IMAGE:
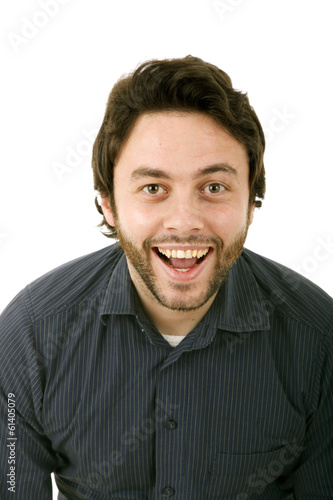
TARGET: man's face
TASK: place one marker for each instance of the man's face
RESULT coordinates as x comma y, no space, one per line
181,192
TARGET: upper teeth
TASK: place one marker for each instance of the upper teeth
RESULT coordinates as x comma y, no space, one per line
183,254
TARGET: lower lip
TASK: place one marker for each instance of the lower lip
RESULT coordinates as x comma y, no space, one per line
184,276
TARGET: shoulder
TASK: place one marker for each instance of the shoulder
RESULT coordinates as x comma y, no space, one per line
291,293
71,283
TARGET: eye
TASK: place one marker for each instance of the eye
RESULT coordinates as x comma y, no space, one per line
214,188
153,189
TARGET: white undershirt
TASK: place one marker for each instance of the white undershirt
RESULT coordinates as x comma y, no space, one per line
174,340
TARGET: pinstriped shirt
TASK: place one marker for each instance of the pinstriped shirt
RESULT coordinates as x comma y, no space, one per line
241,409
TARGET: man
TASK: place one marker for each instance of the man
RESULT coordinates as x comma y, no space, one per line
174,363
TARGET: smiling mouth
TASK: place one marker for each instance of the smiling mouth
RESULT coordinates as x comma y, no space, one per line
182,260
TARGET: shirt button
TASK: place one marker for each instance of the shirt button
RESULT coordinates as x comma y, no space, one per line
168,492
171,424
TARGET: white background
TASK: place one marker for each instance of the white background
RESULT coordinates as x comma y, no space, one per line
58,69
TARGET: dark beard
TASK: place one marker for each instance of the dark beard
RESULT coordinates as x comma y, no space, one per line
142,265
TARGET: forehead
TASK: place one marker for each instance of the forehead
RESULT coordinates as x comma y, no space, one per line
175,140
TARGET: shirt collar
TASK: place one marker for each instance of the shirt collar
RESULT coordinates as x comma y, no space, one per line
119,297
239,305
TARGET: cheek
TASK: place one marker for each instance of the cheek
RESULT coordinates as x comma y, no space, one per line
139,221
228,222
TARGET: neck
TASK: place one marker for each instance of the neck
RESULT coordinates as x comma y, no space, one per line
168,321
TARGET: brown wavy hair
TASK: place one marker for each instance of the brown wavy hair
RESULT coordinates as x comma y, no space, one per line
186,84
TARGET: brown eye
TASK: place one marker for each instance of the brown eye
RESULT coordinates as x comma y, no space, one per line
153,189
214,188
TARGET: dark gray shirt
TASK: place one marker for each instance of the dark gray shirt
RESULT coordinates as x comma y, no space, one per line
242,408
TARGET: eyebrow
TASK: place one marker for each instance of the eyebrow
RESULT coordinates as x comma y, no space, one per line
142,172
220,167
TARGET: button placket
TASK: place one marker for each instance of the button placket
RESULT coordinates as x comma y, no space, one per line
169,443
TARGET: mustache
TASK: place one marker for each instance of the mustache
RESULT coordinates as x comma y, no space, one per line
188,240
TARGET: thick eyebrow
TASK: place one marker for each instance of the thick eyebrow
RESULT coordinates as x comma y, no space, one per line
220,167
142,172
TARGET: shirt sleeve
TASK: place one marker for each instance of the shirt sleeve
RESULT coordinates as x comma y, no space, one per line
314,477
26,456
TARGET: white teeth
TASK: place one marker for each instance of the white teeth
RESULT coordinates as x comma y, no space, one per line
201,253
182,270
183,254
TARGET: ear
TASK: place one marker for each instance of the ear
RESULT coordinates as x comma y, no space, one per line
251,213
108,213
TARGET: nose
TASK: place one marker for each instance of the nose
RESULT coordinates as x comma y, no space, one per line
183,214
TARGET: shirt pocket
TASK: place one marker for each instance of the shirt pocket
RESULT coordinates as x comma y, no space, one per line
241,477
